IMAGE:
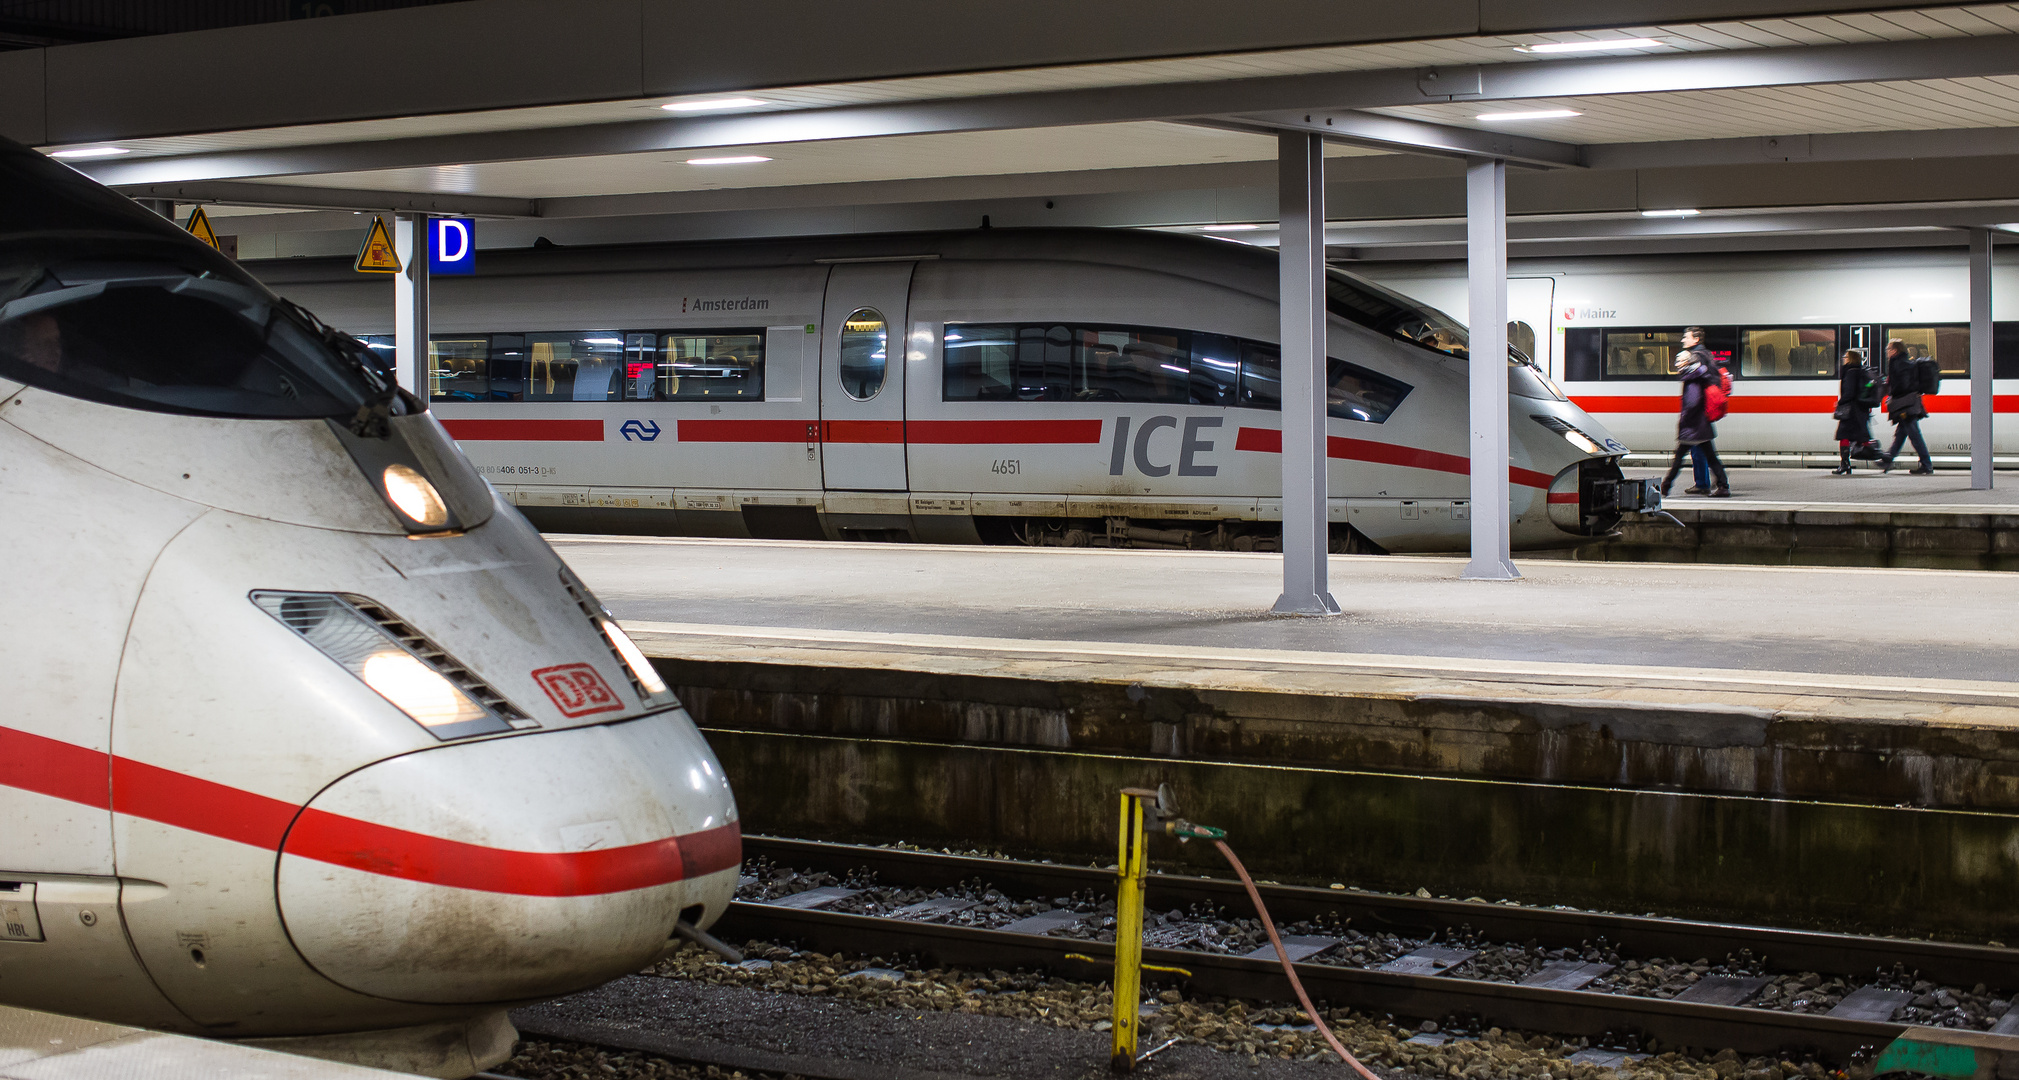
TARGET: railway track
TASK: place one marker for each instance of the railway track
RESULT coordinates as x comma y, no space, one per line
1712,1017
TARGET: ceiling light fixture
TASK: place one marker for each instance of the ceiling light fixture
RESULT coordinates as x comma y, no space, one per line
1670,213
734,159
1592,46
713,104
1533,114
1228,228
92,152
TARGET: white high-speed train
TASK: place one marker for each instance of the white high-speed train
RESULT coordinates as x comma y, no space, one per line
308,737
1041,386
1606,328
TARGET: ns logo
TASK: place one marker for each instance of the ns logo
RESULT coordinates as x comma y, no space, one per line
1152,456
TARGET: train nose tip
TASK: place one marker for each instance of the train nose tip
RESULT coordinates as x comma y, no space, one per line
511,868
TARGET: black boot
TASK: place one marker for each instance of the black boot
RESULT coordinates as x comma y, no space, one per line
1843,462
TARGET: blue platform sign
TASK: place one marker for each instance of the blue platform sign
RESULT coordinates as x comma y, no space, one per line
452,246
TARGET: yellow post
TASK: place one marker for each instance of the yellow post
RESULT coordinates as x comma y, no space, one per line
1129,933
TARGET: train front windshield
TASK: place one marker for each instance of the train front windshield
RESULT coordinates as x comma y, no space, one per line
1391,313
103,300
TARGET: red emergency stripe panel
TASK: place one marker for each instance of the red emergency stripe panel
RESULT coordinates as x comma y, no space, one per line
58,769
865,431
525,430
79,774
1011,432
1270,441
798,431
390,852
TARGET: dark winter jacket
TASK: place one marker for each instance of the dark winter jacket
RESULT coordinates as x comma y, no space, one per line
1699,374
1903,378
1854,418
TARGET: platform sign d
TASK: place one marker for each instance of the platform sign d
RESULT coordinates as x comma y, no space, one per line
452,246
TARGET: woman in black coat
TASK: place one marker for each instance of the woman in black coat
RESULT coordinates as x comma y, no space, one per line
1854,409
1693,425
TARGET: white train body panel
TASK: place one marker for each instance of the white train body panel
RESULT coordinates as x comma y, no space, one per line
214,824
917,458
1773,414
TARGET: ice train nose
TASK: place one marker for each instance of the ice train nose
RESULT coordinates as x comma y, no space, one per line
512,868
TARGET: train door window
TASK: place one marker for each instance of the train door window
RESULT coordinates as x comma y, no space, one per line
583,366
1521,338
1641,354
696,365
459,368
508,367
865,353
979,363
1216,370
1948,345
1131,364
1804,352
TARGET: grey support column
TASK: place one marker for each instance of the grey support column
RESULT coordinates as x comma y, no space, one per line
410,303
1486,267
1300,170
1980,360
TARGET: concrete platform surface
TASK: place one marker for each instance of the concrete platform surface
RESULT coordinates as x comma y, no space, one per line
1948,490
46,1046
1776,625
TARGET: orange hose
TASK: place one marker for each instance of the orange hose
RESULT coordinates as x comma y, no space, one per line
1289,969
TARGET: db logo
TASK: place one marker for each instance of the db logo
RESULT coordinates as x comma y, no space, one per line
577,690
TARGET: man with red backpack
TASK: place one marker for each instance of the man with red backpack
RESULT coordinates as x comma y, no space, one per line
1695,433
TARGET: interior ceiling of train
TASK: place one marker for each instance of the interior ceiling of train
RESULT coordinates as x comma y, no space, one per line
1804,124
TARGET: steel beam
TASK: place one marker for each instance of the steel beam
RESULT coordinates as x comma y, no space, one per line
411,304
1945,58
1410,136
1486,271
299,197
1980,360
1301,302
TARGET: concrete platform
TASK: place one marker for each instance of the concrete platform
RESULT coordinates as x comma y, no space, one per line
45,1046
1629,737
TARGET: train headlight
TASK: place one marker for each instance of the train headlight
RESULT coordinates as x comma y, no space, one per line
392,658
415,497
634,657
1578,439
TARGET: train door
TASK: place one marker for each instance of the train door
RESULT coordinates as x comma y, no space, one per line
862,376
1530,326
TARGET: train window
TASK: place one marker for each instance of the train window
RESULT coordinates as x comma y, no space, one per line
1948,345
1216,370
508,367
1131,364
1521,338
1391,313
1806,352
865,353
459,368
1351,392
693,365
1641,354
383,349
587,365
980,363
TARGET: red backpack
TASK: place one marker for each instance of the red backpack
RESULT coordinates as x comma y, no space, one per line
1717,396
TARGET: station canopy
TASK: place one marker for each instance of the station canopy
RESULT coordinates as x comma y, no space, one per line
1738,123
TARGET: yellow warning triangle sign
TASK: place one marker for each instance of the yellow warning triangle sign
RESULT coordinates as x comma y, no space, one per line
199,227
377,255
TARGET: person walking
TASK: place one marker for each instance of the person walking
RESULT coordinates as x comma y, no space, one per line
1904,405
1857,392
1694,430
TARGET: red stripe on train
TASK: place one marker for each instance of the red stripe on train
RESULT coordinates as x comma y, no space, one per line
81,775
1563,496
525,430
919,432
1270,441
1011,432
1774,403
798,431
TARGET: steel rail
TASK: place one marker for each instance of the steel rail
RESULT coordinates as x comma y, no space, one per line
1643,937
